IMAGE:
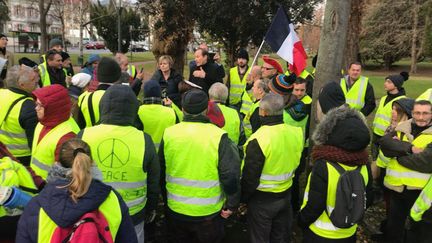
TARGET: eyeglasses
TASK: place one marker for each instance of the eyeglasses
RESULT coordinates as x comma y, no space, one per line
417,113
267,68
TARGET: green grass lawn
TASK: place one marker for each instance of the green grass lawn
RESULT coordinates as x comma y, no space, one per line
136,57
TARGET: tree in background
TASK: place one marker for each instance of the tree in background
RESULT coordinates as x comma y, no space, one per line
173,25
236,24
392,30
58,12
428,31
421,14
4,13
44,7
352,48
105,21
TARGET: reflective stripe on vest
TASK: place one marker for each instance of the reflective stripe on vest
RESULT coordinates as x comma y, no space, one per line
237,86
14,174
398,175
427,95
383,115
423,202
118,152
382,160
355,96
192,181
282,146
12,135
247,124
88,102
131,71
110,209
43,153
232,122
155,119
246,103
323,226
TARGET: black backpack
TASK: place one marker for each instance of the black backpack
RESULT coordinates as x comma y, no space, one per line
350,198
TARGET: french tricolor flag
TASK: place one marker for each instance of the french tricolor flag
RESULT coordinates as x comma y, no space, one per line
284,41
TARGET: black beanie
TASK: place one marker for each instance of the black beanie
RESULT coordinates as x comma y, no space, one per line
108,70
64,55
331,96
398,79
152,89
350,134
2,35
243,54
407,105
195,101
27,62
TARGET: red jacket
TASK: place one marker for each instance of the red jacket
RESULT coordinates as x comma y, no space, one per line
57,108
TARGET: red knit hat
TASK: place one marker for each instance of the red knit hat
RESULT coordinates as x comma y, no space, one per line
273,63
56,102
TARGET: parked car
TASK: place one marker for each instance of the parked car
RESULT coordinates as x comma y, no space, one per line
95,45
138,48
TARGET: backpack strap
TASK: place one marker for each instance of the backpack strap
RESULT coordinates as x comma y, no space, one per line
91,110
340,169
10,108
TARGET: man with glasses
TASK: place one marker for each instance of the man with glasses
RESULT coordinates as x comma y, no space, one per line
17,113
411,143
6,58
270,68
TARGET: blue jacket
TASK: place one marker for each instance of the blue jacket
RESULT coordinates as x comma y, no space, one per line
59,206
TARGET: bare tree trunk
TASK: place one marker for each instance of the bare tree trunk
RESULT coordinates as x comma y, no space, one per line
43,12
331,48
353,36
63,33
415,13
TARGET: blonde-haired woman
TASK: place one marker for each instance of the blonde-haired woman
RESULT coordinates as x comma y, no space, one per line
70,193
168,79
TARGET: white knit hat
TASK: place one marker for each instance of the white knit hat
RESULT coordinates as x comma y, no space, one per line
81,79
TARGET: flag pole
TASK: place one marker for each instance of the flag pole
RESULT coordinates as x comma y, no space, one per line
256,55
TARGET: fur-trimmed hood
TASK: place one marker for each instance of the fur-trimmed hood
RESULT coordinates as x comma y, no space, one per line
344,128
405,127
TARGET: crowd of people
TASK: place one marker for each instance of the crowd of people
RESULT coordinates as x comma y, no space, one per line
82,156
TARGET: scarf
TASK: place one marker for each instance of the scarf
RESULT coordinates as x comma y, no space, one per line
335,154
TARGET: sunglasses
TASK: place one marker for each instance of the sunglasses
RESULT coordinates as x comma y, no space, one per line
267,68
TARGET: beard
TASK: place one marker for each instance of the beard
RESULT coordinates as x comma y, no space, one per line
242,65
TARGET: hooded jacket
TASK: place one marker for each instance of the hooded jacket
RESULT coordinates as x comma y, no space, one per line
59,206
119,106
341,137
57,106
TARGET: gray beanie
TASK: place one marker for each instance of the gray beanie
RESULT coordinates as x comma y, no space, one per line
55,42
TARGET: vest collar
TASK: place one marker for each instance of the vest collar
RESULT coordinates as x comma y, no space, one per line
198,118
271,120
19,91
